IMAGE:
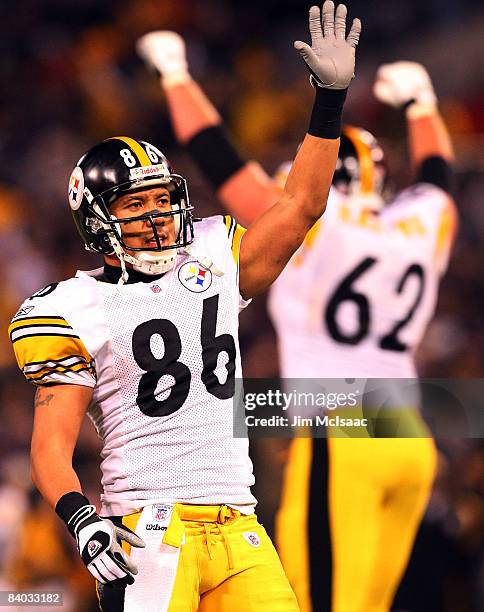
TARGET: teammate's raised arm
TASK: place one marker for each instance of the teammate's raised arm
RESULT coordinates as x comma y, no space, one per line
244,187
190,109
270,242
407,85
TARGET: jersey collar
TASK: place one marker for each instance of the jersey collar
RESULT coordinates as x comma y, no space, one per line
112,274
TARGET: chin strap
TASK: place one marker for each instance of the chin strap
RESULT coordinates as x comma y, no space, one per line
145,266
124,272
150,263
153,263
121,255
125,257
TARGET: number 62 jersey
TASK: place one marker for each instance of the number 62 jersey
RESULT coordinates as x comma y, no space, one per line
356,298
162,358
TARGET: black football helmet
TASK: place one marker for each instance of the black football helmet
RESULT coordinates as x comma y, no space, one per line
107,171
360,168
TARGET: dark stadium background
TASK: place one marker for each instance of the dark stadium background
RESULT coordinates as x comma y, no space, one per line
70,78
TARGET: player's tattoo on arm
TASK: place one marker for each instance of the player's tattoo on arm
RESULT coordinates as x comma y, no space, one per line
42,398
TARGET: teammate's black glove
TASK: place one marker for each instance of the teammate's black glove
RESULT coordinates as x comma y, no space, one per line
98,540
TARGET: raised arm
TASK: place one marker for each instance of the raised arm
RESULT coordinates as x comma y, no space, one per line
244,187
272,239
407,85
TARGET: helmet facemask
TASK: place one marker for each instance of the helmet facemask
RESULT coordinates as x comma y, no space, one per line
158,258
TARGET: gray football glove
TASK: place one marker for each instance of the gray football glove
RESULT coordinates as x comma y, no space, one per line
97,542
331,56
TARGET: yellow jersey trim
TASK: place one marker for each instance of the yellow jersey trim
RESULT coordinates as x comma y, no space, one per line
238,233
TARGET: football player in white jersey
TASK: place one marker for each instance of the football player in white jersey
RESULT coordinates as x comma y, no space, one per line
147,346
353,302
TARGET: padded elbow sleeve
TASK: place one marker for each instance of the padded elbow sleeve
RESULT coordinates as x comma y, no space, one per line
215,155
436,171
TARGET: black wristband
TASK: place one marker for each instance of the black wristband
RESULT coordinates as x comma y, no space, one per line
68,505
408,103
325,119
215,155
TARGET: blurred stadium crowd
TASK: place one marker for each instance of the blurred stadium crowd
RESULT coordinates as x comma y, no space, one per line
71,78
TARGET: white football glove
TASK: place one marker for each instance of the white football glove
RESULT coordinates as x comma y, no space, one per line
165,51
401,82
331,56
97,542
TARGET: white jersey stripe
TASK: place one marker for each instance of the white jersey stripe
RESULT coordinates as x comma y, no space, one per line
26,332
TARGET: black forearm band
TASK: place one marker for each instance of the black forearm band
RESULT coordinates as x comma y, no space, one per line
215,155
407,104
436,171
325,119
69,504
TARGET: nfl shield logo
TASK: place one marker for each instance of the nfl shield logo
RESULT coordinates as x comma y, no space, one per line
252,538
161,512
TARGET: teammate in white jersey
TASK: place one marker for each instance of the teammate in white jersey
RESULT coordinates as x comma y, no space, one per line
147,346
353,302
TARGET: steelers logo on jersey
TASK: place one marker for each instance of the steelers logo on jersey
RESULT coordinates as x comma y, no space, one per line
195,277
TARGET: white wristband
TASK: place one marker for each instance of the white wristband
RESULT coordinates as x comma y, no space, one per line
175,78
418,110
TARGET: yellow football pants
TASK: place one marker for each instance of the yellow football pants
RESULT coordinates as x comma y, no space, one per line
349,514
226,564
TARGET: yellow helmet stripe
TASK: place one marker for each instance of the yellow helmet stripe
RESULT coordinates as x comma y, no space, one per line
137,149
367,167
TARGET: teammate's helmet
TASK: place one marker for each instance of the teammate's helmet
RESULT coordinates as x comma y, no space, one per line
360,168
107,171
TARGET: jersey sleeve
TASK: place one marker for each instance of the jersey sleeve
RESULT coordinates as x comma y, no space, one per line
235,231
47,348
429,209
446,233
